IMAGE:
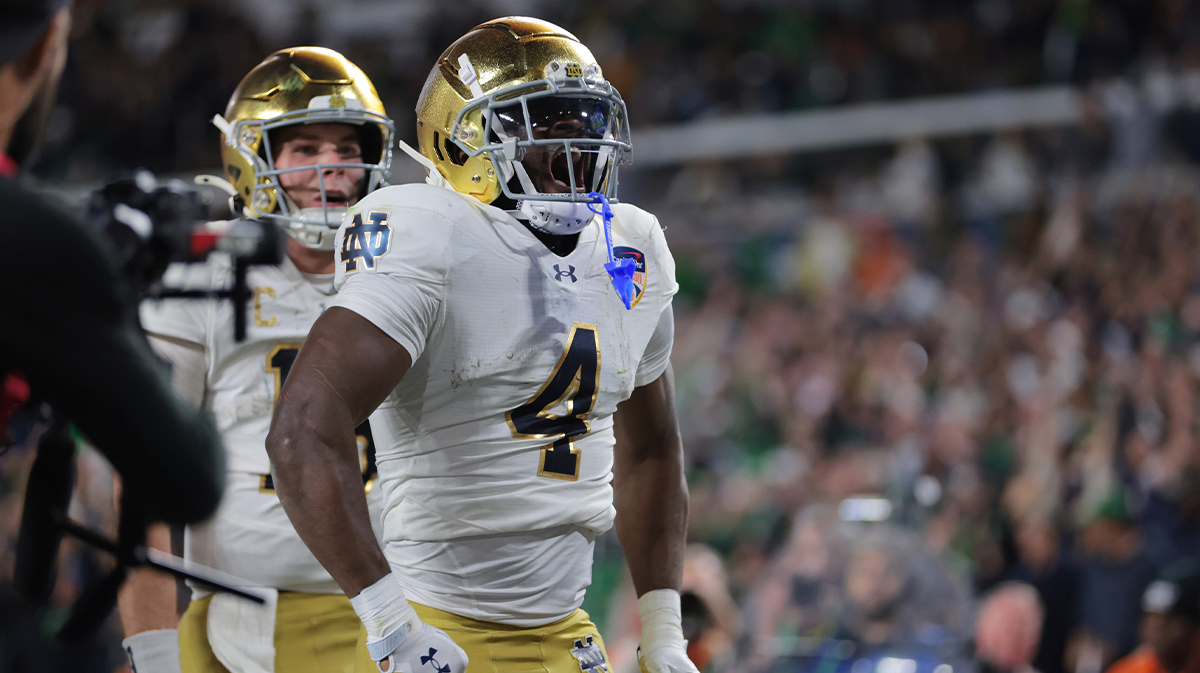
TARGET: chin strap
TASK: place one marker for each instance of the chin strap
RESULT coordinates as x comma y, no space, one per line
620,270
223,185
433,176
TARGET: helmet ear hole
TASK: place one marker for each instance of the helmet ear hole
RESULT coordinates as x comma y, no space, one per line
437,146
370,143
455,153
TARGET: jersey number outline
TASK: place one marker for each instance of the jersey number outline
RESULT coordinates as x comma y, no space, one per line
279,362
574,381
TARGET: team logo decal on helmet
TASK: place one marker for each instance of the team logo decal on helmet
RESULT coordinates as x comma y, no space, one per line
520,107
302,85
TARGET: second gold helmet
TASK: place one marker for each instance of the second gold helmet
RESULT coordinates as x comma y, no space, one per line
301,85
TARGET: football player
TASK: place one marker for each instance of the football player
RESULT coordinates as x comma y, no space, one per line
304,137
513,346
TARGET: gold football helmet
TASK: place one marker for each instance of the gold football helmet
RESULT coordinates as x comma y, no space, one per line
517,87
301,85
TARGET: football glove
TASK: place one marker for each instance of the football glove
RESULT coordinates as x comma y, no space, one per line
662,648
397,640
427,649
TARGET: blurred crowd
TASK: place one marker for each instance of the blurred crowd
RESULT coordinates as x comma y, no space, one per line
936,370
940,400
146,76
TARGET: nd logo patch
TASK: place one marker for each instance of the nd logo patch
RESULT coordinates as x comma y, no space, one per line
590,656
366,241
639,270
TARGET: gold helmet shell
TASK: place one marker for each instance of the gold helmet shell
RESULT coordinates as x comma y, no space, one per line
300,85
502,62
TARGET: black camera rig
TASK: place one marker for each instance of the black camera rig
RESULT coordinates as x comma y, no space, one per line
153,224
150,225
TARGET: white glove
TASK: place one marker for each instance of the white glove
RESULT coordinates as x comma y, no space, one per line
397,639
153,651
427,650
667,660
662,648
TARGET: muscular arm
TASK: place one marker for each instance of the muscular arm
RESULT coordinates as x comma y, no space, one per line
346,367
651,493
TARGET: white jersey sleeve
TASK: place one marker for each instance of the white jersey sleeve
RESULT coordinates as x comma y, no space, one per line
666,286
658,352
392,263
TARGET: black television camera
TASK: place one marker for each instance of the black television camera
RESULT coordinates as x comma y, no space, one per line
150,225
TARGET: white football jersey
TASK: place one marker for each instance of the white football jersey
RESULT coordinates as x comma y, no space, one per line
250,536
504,424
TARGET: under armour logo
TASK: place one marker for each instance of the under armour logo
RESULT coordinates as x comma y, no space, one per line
570,272
434,662
366,241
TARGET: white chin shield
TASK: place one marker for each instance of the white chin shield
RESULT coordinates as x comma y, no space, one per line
315,228
559,218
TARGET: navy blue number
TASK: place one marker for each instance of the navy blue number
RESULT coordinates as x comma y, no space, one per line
572,382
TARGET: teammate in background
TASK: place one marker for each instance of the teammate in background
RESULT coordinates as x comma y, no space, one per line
304,137
515,390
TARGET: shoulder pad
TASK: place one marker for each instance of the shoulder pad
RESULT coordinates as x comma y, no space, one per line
420,196
633,223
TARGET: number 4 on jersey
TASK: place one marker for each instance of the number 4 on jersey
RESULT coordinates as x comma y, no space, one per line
573,381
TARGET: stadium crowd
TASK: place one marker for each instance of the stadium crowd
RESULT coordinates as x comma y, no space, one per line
906,377
146,76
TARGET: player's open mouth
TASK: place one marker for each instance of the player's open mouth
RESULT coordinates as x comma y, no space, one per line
336,199
560,173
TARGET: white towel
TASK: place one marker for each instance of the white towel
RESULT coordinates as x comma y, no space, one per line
242,633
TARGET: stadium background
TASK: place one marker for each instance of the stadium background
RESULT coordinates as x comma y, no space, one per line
939,325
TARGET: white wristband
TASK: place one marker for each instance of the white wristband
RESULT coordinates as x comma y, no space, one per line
662,619
386,614
153,651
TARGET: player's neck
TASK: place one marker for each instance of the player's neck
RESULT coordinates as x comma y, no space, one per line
559,245
308,260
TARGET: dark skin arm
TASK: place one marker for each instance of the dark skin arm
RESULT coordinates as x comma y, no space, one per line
648,481
345,369
347,366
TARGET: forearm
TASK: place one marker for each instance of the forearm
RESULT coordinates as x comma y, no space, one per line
652,503
314,457
652,506
147,599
